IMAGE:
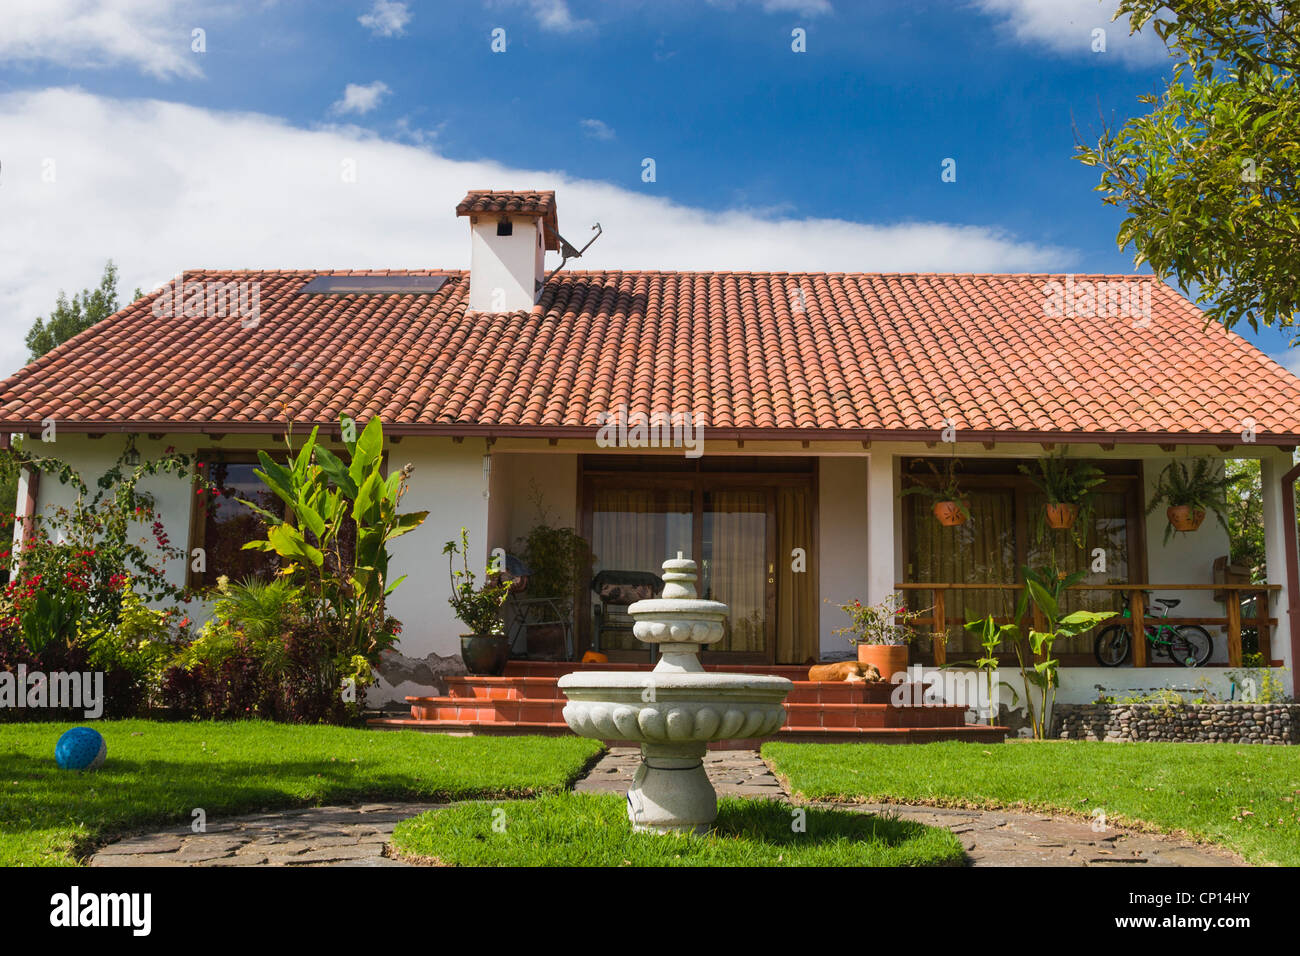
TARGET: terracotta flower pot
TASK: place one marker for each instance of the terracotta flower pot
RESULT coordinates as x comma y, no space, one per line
889,659
485,654
1185,518
950,514
1062,516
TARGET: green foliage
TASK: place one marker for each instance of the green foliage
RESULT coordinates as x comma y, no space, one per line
139,643
1208,177
557,558
1204,486
251,616
331,504
477,606
1259,683
1044,589
888,622
946,487
991,636
71,317
1245,516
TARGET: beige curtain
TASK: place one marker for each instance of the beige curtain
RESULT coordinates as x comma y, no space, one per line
983,550
1108,531
637,530
796,594
735,547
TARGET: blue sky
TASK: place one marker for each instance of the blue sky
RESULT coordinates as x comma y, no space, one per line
852,131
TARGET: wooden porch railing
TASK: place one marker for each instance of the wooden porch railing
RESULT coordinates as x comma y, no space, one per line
939,620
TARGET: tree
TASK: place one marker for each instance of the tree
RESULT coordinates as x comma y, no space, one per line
1246,517
1209,176
76,315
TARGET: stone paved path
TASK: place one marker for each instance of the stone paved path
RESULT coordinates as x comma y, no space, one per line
355,836
316,836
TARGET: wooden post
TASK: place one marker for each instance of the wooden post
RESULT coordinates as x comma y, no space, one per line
1234,627
940,623
1137,603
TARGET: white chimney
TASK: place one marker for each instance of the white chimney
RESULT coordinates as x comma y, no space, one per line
509,235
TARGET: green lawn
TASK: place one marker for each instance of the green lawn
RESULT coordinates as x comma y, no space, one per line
158,773
582,829
1243,797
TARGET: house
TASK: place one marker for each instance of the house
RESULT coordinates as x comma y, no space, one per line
764,423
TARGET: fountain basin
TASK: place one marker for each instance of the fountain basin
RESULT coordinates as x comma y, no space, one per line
658,707
676,709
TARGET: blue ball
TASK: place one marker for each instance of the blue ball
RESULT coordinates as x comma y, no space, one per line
80,749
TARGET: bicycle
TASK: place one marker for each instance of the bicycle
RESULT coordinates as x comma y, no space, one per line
1189,644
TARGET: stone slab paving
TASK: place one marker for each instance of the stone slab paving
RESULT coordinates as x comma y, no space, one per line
356,836
315,836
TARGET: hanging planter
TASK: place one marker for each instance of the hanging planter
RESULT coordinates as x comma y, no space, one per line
1061,516
1190,489
1185,517
1069,487
951,514
951,505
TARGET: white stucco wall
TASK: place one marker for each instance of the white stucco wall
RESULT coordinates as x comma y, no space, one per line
844,516
504,269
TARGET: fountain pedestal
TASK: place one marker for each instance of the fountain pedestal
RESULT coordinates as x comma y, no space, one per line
676,709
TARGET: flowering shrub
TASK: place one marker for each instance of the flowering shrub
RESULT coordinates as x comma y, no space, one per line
889,622
75,559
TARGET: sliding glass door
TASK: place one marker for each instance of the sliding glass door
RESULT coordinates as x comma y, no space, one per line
734,527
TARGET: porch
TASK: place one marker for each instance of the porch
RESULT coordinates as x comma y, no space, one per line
783,538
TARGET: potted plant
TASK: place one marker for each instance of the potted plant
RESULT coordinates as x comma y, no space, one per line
1188,492
1068,487
485,649
881,633
556,558
951,505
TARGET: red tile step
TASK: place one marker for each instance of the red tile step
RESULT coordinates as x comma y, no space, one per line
527,699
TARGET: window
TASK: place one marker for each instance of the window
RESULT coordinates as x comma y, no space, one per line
1000,538
505,228
220,525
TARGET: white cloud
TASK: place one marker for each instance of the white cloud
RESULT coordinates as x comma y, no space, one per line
806,8
551,15
596,129
150,35
160,187
386,18
1066,26
360,99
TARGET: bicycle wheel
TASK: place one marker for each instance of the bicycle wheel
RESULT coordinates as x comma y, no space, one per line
1112,646
1191,645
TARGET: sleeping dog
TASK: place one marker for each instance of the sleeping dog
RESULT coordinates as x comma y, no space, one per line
844,671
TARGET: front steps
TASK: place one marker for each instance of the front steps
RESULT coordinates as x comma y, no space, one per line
527,700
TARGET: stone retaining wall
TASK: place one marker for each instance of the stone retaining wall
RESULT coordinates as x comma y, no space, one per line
1190,723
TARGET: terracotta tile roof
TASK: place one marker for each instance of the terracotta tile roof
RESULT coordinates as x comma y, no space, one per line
849,356
536,202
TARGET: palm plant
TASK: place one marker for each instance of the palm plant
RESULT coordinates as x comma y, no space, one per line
1197,489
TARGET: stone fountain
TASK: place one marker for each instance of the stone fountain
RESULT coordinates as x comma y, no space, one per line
676,709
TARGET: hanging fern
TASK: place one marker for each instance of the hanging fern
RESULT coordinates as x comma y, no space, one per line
1202,487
